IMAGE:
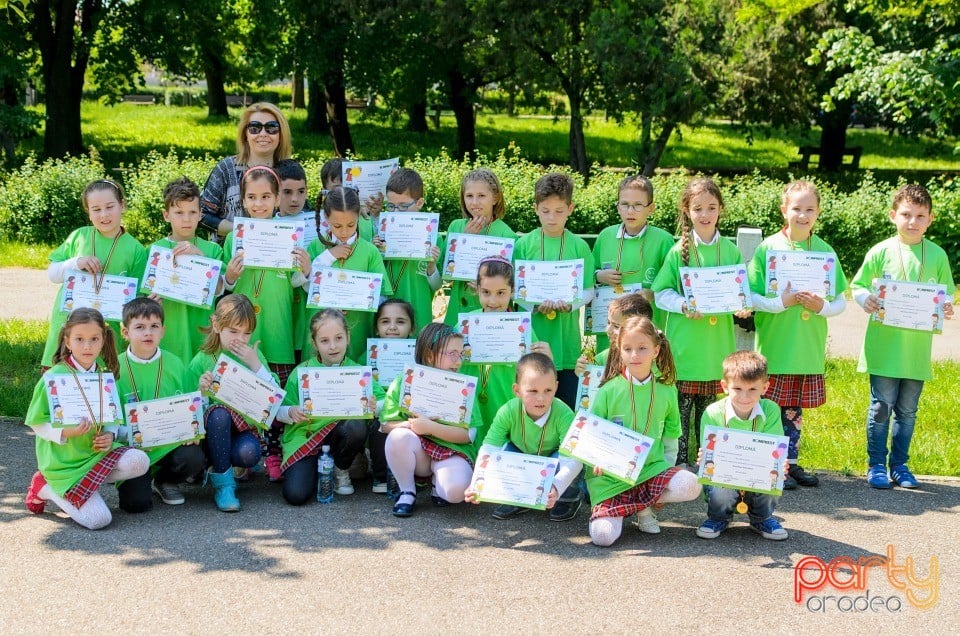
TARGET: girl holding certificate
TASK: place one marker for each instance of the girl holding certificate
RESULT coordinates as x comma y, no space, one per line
792,326
75,461
483,208
304,435
701,342
632,395
101,248
418,447
230,440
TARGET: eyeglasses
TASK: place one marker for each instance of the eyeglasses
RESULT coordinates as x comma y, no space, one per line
272,127
403,207
453,355
636,207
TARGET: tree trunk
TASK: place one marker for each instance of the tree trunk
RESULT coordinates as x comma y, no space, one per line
652,159
317,121
336,94
833,137
578,146
511,100
461,100
297,100
417,116
216,94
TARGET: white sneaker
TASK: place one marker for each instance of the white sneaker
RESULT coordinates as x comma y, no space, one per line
647,522
341,481
169,494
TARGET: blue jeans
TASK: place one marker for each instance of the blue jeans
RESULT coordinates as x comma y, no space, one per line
901,397
721,502
572,493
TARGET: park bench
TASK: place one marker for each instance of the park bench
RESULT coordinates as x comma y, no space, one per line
238,101
139,99
357,104
808,152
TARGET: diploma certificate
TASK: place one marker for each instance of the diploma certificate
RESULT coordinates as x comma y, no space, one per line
68,400
588,384
368,178
239,388
465,251
909,305
619,451
105,293
189,279
308,220
716,290
388,357
495,337
343,289
165,421
408,235
743,460
814,272
267,243
515,479
595,315
442,396
540,281
338,392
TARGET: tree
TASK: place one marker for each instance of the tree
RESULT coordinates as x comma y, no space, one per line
16,122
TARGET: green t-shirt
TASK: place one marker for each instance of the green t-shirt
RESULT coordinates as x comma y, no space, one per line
698,346
364,258
183,322
271,292
716,415
409,282
161,378
563,332
463,299
129,259
296,434
512,424
613,401
62,465
794,341
895,352
392,413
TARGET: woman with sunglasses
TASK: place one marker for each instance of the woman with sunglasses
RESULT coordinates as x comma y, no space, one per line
263,139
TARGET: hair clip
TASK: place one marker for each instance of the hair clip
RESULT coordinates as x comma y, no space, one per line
264,168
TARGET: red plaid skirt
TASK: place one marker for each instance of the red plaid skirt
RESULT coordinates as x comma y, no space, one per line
238,422
805,391
699,387
438,453
283,371
638,498
84,489
312,447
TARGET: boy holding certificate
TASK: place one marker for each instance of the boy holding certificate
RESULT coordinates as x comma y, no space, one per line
150,373
556,321
898,359
293,202
181,209
534,423
745,380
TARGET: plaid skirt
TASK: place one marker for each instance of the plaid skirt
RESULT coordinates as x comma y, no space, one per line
283,371
805,391
438,453
238,422
312,447
638,498
699,387
84,489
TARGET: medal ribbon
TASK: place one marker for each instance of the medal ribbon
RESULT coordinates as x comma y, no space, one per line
97,424
923,259
623,234
103,271
523,431
563,238
133,383
633,402
696,251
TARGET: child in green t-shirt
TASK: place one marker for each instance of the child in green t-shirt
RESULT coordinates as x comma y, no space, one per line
898,359
626,306
744,380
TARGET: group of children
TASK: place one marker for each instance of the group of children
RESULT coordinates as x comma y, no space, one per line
665,366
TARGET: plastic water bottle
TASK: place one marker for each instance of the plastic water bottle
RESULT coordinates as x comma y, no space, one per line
325,476
393,488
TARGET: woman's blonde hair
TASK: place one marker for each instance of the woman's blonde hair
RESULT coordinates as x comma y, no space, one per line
283,150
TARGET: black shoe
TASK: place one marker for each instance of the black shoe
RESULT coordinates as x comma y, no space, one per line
506,511
789,483
802,477
405,509
439,502
564,510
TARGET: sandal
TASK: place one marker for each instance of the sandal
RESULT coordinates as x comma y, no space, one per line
405,509
33,501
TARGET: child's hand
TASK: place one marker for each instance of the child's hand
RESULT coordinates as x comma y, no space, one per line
470,496
419,425
743,313
303,260
581,365
156,298
545,307
247,354
90,264
234,269
386,427
564,307
432,263
379,243
76,431
788,298
597,471
692,315
341,251
476,224
103,442
297,415
373,206
542,347
872,303
609,277
552,497
948,310
786,468
185,247
205,381
699,456
810,301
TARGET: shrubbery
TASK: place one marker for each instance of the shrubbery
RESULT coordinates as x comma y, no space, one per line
41,202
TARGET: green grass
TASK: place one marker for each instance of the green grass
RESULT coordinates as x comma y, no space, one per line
17,254
125,132
21,347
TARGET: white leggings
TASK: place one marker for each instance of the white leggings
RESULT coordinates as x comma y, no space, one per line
683,486
406,458
94,514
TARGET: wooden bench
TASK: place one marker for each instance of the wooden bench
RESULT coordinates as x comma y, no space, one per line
357,104
808,152
238,101
139,99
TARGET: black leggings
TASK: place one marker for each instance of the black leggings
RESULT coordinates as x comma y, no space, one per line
182,462
300,479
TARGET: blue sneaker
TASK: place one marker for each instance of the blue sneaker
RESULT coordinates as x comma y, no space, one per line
770,528
877,477
901,476
711,528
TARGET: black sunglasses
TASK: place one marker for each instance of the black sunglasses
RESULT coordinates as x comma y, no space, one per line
272,127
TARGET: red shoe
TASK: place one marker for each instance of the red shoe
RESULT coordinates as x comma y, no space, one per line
273,463
32,501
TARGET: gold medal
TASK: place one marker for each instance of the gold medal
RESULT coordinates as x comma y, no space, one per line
618,289
805,315
713,320
174,279
256,309
551,315
742,507
482,397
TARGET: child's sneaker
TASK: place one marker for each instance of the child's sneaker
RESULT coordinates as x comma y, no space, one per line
379,487
341,481
506,511
647,522
169,494
877,477
273,463
711,528
802,477
901,476
770,528
358,469
33,501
